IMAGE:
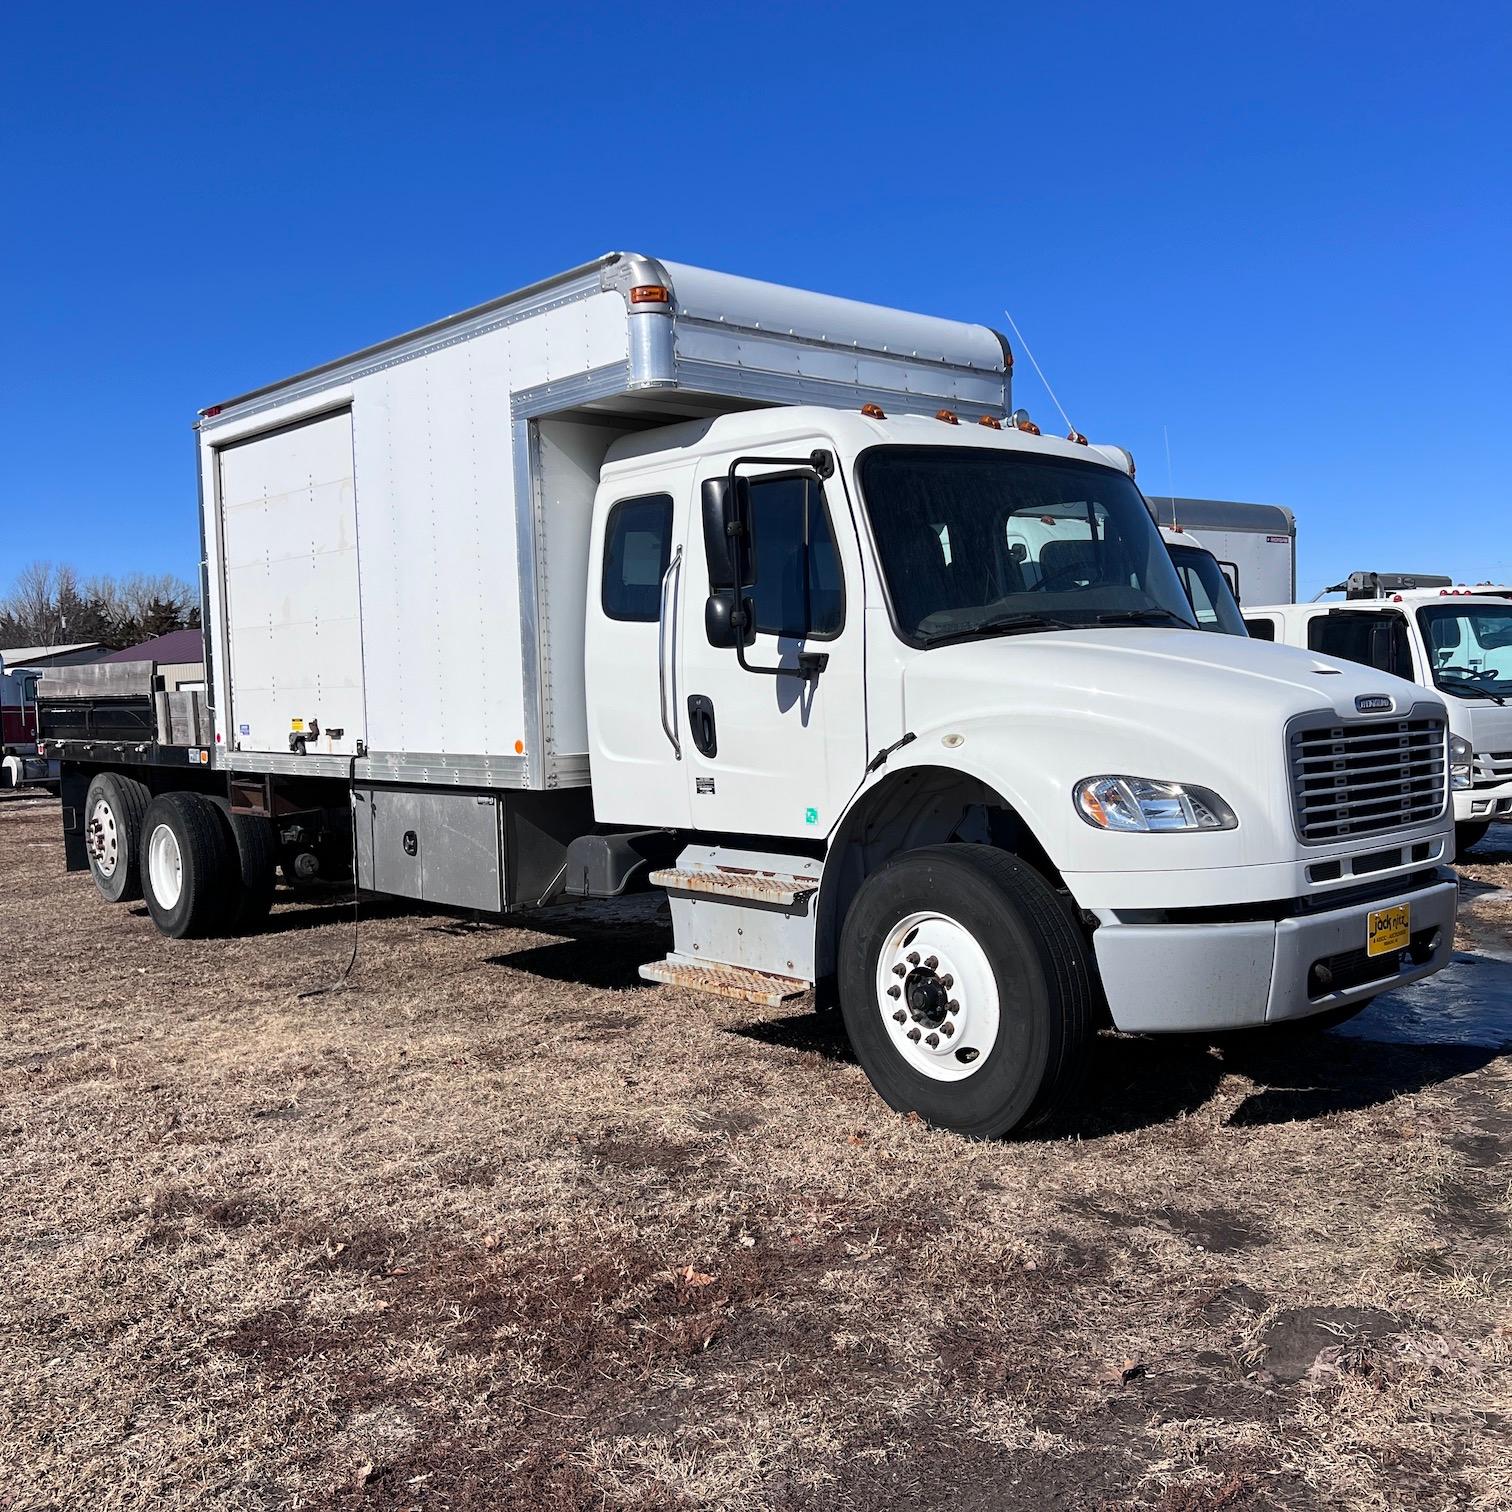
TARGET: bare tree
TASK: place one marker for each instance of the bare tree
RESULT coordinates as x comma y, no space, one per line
49,606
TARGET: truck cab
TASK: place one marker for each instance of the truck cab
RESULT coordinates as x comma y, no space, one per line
1453,641
868,640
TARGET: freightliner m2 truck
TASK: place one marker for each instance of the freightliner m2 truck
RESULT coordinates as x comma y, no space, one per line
651,577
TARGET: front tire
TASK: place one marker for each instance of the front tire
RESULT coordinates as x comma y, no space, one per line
994,1035
186,865
1467,835
113,811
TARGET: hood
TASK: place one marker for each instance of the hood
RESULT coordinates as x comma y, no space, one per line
1123,668
1035,713
1490,726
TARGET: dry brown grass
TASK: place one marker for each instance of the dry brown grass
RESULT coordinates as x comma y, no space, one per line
472,1234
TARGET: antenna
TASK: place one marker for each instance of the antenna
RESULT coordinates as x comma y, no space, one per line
1019,337
1170,476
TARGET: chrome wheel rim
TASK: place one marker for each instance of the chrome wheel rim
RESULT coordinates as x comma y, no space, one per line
938,996
165,866
103,839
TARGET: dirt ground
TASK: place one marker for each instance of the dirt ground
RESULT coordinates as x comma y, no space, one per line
500,1226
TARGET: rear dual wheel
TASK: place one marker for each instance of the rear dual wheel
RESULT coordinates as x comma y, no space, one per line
966,990
113,813
204,869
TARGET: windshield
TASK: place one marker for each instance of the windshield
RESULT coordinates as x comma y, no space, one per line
1469,647
978,542
1208,590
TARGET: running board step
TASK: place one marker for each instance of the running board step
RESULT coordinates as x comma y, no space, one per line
754,885
739,982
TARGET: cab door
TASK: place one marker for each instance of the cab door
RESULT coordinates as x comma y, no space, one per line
634,617
777,750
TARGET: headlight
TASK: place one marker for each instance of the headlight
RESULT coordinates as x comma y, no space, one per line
1460,758
1143,803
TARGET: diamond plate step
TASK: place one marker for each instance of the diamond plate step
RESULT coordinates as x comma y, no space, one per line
739,982
755,886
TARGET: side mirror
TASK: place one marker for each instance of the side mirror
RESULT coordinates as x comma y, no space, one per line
726,510
719,620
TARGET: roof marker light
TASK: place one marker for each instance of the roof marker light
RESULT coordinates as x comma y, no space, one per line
1020,420
1077,437
947,416
650,294
873,412
990,422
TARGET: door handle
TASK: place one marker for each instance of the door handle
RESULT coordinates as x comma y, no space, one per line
701,724
673,567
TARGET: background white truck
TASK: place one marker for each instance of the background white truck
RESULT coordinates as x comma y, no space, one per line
1456,641
651,576
1256,544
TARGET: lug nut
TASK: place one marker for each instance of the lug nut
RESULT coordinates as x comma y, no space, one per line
900,970
932,962
952,1006
895,991
947,981
947,1029
913,957
913,1034
933,1041
899,1016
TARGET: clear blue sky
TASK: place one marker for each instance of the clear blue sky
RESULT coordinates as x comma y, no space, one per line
1284,232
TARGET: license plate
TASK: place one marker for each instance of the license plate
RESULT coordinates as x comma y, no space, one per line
1388,929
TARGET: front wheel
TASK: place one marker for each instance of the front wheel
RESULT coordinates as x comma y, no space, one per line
966,990
186,865
1466,835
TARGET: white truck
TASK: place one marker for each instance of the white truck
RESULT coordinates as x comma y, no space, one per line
1455,641
1256,544
646,576
1208,586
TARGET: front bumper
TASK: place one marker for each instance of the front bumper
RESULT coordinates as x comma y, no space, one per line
1479,805
1177,978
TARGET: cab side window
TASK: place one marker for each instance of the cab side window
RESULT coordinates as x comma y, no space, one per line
1261,629
787,600
1372,640
637,548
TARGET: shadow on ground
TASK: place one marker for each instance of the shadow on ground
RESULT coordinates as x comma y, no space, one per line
1137,1083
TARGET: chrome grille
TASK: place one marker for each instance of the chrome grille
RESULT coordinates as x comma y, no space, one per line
1362,778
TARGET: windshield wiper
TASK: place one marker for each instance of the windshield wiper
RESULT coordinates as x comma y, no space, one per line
1459,685
1017,623
1144,617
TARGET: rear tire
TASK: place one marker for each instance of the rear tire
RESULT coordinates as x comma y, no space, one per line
253,870
186,865
113,810
1468,835
1013,1049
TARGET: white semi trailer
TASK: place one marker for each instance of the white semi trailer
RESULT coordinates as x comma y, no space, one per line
645,576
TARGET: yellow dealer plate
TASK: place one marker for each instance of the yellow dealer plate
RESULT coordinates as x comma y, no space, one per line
1388,929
